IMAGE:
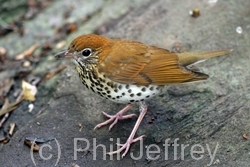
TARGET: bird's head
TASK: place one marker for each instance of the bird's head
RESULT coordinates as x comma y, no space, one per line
87,50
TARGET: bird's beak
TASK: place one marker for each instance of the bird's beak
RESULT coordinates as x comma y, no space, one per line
65,54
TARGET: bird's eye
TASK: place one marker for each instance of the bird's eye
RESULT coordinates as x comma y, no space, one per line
86,52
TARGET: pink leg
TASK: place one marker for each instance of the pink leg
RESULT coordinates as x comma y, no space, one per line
130,140
116,117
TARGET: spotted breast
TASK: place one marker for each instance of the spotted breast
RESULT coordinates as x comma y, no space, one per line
117,92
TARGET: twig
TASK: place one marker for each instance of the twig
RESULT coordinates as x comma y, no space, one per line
4,119
53,73
27,53
12,127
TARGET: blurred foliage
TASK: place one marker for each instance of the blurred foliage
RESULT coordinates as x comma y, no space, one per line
12,9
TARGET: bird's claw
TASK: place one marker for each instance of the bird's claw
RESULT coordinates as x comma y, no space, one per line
114,119
126,146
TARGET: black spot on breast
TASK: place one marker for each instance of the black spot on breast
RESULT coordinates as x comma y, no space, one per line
108,92
151,88
113,85
143,89
131,101
123,94
109,96
127,86
116,90
129,91
91,78
138,94
94,75
132,95
147,96
87,86
99,89
92,89
120,87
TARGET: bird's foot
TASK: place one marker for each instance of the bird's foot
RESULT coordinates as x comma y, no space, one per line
116,117
126,145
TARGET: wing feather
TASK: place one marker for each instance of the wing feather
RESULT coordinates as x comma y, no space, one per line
135,63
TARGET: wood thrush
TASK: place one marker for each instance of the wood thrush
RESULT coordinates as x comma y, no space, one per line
130,72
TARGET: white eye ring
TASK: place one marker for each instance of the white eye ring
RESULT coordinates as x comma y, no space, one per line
86,52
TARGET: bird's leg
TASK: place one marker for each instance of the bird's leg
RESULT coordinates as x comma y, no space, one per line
130,140
116,117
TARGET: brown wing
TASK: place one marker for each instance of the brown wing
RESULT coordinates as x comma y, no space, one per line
135,63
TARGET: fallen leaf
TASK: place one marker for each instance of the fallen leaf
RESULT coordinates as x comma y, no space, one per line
245,136
31,144
7,107
29,91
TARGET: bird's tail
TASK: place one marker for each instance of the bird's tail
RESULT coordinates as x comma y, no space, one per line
189,59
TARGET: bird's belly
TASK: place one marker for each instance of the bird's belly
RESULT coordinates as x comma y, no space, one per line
133,93
120,93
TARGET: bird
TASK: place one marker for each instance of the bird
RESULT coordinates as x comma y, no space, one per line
131,72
